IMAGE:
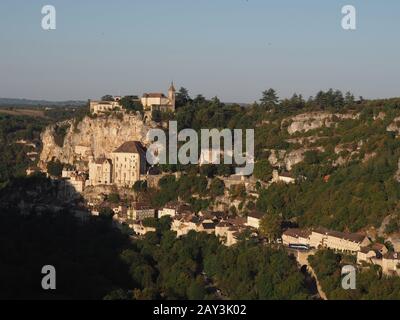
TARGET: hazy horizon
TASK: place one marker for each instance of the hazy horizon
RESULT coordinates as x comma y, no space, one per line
230,49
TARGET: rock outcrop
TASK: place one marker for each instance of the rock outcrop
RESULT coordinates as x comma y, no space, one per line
286,159
394,126
92,136
314,120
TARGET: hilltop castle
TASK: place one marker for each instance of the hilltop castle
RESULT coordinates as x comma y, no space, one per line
150,102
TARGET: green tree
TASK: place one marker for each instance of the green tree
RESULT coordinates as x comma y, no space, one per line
107,97
131,103
263,170
54,168
140,186
271,226
217,188
156,116
269,99
196,291
182,97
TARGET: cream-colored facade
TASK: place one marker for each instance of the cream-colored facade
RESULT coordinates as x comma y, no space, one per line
284,177
254,219
125,167
98,107
182,225
351,243
158,101
391,264
100,171
340,241
128,164
140,229
296,236
166,212
322,238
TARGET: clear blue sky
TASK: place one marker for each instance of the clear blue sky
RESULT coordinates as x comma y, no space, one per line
230,48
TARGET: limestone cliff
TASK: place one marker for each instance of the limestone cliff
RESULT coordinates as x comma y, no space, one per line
288,159
314,120
92,136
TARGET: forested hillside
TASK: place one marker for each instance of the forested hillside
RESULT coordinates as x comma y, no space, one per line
370,283
343,151
13,128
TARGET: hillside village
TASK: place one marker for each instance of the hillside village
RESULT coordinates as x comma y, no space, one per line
104,169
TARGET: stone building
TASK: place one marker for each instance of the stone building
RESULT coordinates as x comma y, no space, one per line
296,237
340,241
172,209
129,162
98,107
124,168
285,177
391,263
139,229
140,211
160,102
100,171
254,219
350,243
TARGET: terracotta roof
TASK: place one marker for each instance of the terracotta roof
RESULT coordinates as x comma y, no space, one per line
392,256
297,233
256,214
238,221
141,206
153,95
223,224
366,249
378,247
354,237
178,206
130,147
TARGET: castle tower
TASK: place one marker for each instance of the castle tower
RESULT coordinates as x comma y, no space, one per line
172,96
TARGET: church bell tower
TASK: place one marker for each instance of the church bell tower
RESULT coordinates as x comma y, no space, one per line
172,96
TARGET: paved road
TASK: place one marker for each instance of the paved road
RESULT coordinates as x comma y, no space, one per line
302,259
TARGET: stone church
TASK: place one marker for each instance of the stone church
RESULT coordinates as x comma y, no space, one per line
160,102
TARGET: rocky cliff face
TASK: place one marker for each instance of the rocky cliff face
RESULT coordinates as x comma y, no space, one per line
314,120
92,136
394,126
288,159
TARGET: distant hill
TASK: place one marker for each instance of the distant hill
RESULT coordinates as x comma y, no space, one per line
38,103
